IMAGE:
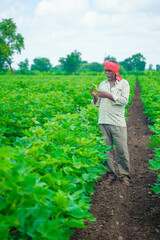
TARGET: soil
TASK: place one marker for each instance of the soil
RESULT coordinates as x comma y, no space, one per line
121,212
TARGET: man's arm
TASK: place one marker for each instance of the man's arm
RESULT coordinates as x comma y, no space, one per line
117,99
104,94
123,98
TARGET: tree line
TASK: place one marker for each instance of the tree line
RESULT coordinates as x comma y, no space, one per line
12,43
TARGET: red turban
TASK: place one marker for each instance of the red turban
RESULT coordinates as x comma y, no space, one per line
113,67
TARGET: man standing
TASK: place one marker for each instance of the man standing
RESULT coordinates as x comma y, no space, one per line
111,98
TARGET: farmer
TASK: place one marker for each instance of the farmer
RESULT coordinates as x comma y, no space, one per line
111,98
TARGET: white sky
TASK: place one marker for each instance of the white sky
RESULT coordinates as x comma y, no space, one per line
96,28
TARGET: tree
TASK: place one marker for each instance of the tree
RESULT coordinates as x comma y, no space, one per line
127,64
157,67
10,41
138,62
3,65
109,58
135,63
24,66
71,63
94,66
41,64
150,67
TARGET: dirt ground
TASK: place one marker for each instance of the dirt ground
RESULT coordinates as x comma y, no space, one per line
127,213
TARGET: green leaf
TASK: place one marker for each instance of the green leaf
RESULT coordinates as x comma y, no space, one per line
29,183
156,188
50,229
86,177
77,212
4,231
76,223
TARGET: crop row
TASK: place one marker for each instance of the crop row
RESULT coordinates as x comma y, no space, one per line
150,87
27,102
48,173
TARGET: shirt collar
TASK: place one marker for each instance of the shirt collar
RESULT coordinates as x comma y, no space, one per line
117,81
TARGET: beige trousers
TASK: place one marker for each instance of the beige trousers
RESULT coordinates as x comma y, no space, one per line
118,135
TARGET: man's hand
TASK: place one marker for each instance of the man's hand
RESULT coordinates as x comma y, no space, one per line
94,94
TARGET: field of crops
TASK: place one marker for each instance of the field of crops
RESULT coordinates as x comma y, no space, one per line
52,153
150,87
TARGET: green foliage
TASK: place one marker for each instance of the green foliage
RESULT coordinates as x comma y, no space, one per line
24,66
157,67
150,87
150,67
109,58
53,171
71,63
49,172
10,41
135,63
41,64
30,101
94,67
58,70
3,65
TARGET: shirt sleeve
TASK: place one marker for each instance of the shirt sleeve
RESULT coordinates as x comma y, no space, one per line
123,98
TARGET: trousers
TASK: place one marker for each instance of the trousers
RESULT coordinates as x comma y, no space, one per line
118,135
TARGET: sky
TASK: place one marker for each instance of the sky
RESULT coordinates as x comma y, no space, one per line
95,28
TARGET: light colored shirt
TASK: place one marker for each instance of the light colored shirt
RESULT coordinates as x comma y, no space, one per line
113,112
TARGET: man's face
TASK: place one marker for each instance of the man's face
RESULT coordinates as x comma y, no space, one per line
110,75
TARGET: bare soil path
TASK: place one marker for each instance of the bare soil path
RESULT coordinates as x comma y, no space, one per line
128,213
